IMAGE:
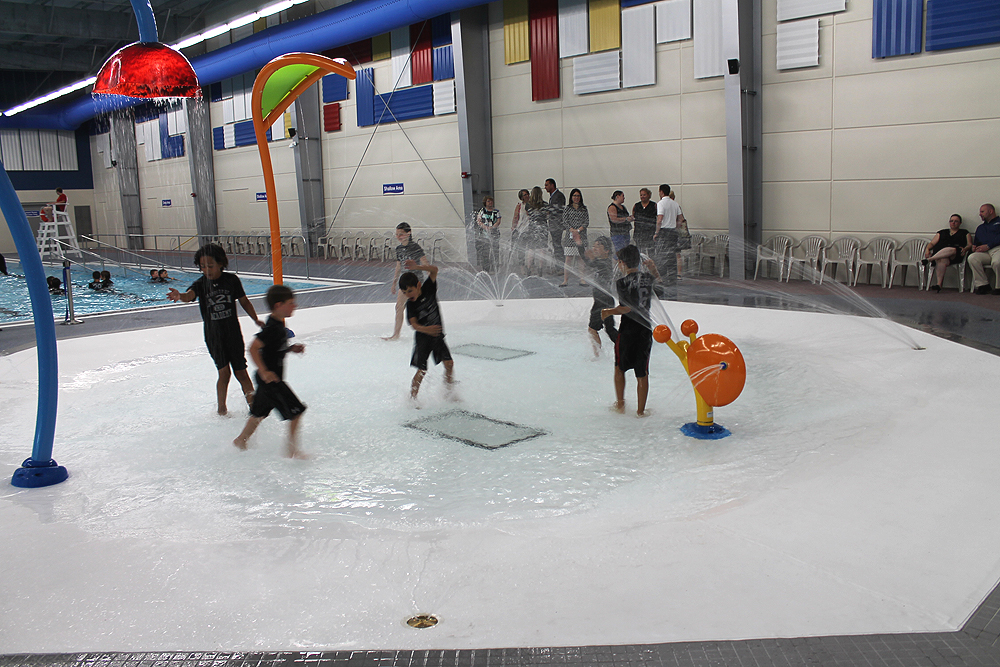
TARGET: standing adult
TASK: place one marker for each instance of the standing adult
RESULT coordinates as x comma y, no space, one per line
533,238
554,215
518,226
668,214
577,219
946,248
619,220
61,200
644,212
487,235
986,250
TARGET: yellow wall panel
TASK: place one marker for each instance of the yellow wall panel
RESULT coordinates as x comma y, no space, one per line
259,25
516,47
382,47
605,25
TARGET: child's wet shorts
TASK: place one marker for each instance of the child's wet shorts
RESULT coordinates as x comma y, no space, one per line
227,351
275,396
424,345
632,351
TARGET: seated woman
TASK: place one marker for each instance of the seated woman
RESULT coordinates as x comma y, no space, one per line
947,247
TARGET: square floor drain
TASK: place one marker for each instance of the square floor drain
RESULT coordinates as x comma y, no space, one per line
475,429
489,352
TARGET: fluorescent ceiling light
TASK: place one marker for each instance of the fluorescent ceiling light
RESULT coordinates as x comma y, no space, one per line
51,96
191,40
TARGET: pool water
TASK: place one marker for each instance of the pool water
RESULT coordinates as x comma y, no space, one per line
132,289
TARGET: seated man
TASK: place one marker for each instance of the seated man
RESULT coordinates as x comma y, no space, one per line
986,250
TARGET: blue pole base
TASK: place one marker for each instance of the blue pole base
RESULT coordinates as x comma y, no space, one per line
34,474
713,432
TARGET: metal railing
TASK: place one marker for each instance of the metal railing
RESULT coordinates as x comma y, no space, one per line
96,258
137,258
174,242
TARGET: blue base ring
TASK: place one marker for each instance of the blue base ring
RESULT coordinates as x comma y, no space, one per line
713,432
34,474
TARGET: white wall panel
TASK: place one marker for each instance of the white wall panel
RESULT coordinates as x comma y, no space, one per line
797,9
48,141
597,72
248,95
639,46
574,31
67,151
10,144
31,152
229,136
673,21
401,74
708,60
104,148
798,44
228,115
444,97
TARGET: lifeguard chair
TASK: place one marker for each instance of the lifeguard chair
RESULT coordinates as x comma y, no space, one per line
56,233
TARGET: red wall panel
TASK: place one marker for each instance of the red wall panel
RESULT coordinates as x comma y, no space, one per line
543,26
331,117
356,53
422,61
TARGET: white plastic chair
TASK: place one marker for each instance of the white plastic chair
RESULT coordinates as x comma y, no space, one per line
911,253
961,275
842,251
811,247
775,250
716,250
692,256
877,252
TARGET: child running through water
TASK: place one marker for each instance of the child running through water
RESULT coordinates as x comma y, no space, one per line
406,250
268,351
598,259
424,315
635,333
217,293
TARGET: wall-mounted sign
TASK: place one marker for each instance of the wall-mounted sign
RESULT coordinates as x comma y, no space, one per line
33,214
261,196
165,203
392,188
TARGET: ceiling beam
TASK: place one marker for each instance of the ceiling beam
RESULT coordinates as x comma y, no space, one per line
17,20
80,60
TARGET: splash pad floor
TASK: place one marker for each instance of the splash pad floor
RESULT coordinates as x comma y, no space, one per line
845,502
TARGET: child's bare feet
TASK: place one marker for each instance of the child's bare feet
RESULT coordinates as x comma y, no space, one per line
222,411
249,397
642,413
392,337
619,407
296,453
241,444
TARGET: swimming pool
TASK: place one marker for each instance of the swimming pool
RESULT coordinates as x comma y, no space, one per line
132,289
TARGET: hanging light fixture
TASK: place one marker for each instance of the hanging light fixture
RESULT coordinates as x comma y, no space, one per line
147,69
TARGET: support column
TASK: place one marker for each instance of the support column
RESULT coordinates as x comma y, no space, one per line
309,167
126,163
202,166
470,46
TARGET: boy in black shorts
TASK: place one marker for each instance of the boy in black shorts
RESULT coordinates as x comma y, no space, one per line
218,292
424,315
635,333
598,259
268,351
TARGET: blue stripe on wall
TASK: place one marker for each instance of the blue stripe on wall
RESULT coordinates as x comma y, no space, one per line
405,104
170,146
218,138
334,88
952,24
215,90
364,88
243,133
635,3
441,30
897,27
444,63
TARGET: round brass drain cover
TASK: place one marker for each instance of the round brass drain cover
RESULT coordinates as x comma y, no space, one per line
422,621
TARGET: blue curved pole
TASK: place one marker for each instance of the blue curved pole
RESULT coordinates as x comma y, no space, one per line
147,22
40,469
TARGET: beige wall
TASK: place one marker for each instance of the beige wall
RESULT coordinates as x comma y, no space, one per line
76,198
877,147
673,132
426,159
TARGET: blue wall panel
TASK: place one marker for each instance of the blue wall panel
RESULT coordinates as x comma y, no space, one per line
334,88
218,138
405,104
441,30
364,88
215,90
444,63
897,27
243,133
170,146
952,24
634,3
